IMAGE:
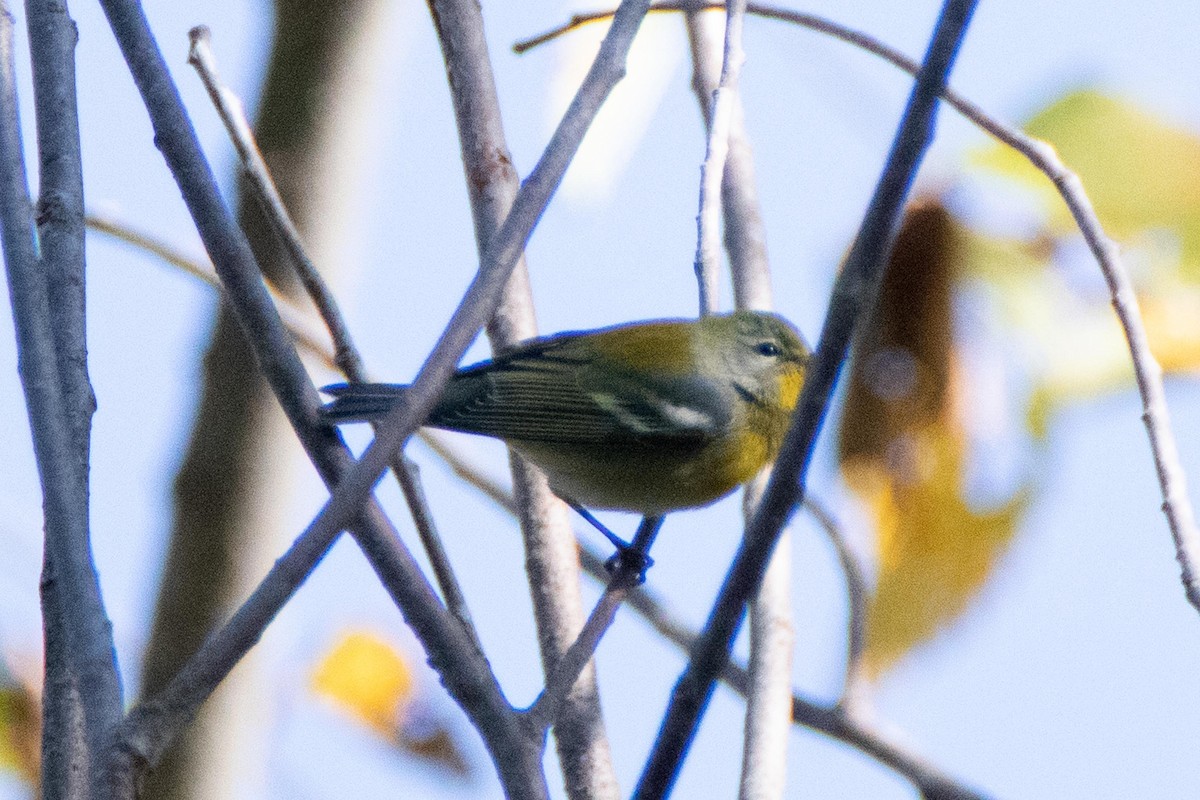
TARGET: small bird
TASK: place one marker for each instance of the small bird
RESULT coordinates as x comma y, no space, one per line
648,417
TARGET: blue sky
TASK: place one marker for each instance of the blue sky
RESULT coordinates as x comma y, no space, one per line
1071,676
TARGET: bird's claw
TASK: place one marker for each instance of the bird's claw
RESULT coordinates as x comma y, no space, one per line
629,560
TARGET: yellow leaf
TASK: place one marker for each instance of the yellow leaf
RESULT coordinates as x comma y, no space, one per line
373,680
369,678
935,551
1170,314
1140,172
20,731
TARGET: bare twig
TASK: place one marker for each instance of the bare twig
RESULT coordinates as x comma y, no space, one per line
720,123
559,682
552,566
346,355
745,236
232,112
408,476
856,588
813,21
853,292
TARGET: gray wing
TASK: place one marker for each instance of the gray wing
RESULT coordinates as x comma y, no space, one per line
551,394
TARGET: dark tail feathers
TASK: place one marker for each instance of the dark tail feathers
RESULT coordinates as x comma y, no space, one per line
361,402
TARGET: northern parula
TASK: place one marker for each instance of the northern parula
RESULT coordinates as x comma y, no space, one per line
648,417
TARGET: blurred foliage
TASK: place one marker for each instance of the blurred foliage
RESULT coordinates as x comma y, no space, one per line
367,677
20,727
903,445
1140,172
374,682
905,440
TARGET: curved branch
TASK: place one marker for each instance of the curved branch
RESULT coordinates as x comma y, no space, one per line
1172,479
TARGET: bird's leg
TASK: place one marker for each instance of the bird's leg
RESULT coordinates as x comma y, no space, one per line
617,541
630,555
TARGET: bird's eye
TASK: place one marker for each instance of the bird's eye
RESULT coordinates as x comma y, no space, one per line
768,349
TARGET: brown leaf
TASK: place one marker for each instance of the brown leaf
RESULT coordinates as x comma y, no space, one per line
902,447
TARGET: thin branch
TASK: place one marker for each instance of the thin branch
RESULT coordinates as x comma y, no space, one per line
712,171
552,566
408,476
745,235
232,112
629,572
463,670
298,321
853,294
82,686
570,664
347,359
856,588
813,21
